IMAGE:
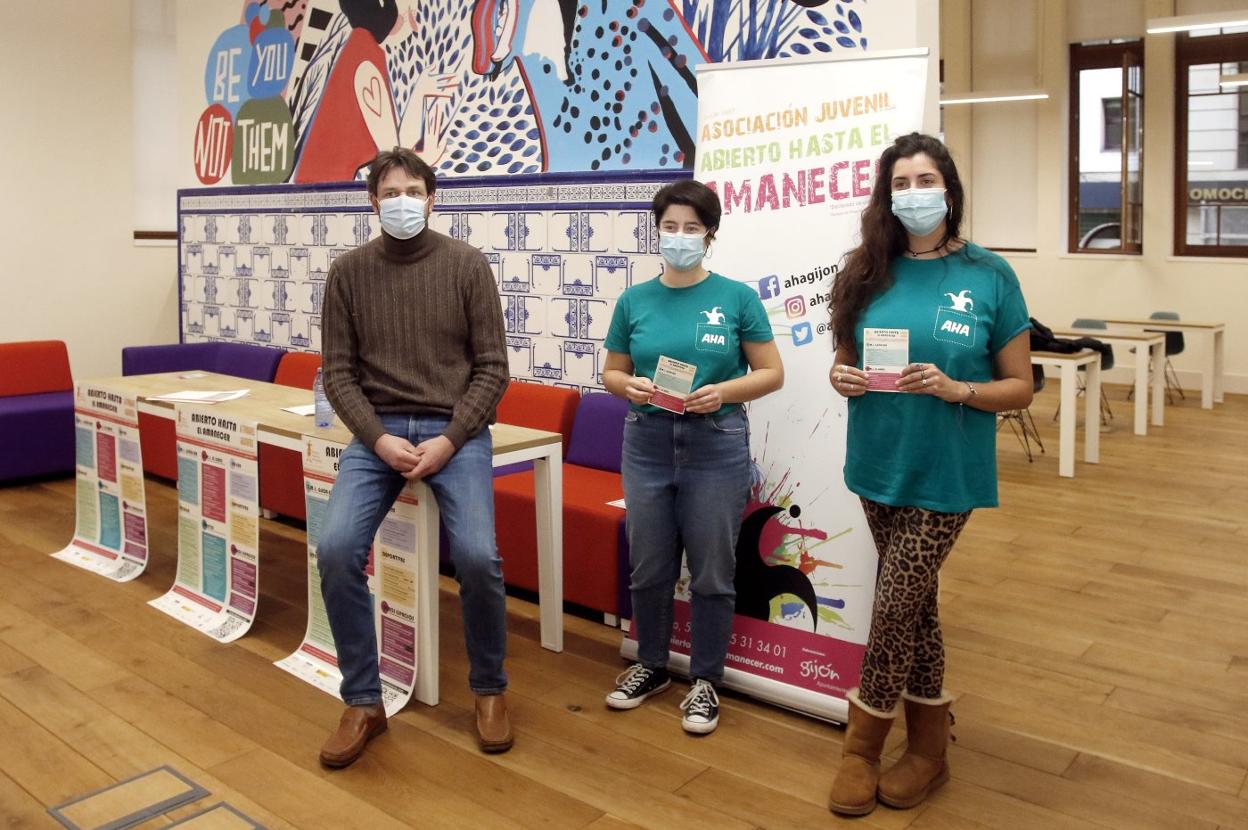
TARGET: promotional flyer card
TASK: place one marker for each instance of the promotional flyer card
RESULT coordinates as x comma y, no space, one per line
885,354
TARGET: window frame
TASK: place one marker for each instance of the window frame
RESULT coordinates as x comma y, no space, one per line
1188,52
1105,136
1084,56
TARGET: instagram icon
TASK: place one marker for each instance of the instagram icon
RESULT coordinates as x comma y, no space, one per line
794,307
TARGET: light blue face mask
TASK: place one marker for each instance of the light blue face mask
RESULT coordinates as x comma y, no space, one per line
920,209
683,251
403,216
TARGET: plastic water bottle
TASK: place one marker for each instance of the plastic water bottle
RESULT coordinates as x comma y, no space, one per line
324,412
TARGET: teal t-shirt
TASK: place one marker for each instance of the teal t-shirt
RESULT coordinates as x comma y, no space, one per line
910,450
704,324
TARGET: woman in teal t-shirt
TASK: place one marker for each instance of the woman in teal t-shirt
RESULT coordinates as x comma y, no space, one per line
686,473
921,449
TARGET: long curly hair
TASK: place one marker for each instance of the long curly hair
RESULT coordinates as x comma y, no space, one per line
865,273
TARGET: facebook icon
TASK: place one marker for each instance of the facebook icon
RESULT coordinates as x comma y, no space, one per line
802,334
769,287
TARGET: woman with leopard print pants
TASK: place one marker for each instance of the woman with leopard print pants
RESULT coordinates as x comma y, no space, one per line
923,459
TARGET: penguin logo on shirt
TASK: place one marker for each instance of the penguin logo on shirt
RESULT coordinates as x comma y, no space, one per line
714,317
960,301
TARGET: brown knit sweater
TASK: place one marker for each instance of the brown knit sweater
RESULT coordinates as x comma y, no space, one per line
413,326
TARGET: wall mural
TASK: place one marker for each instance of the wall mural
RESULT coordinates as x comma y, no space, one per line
308,90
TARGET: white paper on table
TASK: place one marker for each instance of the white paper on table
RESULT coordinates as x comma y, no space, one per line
194,396
885,354
193,376
617,503
306,409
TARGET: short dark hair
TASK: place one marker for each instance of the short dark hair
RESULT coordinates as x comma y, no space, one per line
702,199
387,160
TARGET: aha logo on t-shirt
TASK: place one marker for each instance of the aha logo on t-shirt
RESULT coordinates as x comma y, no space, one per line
712,336
956,324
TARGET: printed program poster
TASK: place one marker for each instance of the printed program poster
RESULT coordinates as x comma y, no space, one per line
110,527
392,576
217,584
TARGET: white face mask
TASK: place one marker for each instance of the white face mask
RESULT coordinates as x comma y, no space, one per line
920,209
403,216
682,251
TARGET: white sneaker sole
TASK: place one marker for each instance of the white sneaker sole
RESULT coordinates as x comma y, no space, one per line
633,703
699,728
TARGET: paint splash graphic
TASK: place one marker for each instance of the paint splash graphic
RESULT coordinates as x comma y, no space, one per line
784,542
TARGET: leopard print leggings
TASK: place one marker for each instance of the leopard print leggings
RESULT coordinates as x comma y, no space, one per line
904,650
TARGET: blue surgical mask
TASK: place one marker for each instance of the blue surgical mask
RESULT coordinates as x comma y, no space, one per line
403,216
920,209
682,251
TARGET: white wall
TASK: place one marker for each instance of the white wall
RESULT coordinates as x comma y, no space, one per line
1004,58
71,270
156,133
1015,157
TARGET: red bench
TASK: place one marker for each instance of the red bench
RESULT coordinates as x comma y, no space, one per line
157,435
594,545
36,410
281,470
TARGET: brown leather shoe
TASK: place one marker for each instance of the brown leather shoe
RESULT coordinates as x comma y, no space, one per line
493,724
359,725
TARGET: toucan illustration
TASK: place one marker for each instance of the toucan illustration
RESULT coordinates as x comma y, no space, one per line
758,583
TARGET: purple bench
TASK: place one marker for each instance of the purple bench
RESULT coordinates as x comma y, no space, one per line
157,435
242,360
36,410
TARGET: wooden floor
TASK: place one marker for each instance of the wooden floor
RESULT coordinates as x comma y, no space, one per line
1097,634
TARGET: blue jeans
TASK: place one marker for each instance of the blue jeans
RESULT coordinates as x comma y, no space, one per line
362,496
686,480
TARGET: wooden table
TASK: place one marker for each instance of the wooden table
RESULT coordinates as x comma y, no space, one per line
1069,364
512,444
1148,347
1212,377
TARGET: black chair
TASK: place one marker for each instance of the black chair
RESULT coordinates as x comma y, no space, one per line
1020,421
1174,345
1107,363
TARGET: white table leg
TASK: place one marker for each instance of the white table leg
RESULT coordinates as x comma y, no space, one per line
1092,413
1207,377
426,690
548,500
1141,389
1158,352
1219,364
1066,454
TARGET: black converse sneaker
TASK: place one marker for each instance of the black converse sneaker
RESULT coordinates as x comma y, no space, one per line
636,684
701,708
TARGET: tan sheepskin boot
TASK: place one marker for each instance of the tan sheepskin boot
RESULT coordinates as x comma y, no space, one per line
923,766
853,791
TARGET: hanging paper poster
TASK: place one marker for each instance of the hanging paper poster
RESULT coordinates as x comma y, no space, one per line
217,584
110,528
391,572
791,148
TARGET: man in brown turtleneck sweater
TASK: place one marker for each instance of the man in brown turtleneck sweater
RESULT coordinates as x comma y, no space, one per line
415,363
